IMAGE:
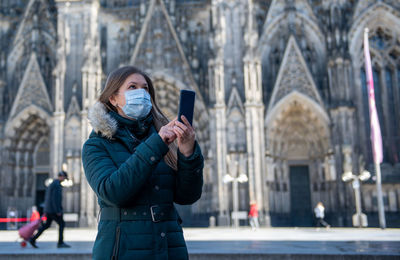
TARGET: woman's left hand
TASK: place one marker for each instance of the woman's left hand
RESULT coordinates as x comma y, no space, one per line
185,136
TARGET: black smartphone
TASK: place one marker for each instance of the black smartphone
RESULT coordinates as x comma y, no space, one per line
186,105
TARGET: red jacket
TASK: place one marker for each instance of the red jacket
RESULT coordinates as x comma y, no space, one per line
35,215
253,211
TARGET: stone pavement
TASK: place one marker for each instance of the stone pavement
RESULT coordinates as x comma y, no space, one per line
228,243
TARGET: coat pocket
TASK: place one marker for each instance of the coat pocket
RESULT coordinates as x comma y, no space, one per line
116,244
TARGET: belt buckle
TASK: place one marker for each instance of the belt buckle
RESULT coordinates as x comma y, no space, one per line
153,214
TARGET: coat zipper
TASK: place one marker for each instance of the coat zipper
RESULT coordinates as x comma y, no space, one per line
116,245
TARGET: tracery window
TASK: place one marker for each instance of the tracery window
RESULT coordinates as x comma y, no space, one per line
385,59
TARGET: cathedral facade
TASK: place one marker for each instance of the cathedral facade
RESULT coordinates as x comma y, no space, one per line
281,97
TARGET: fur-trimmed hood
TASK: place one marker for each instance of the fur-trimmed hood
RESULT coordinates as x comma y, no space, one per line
101,120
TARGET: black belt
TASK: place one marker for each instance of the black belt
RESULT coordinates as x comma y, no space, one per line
155,213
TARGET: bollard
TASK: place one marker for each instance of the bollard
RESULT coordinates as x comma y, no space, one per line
212,221
12,214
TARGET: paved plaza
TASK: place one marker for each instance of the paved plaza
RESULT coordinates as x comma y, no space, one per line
228,243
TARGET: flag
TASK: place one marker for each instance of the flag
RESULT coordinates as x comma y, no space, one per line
376,138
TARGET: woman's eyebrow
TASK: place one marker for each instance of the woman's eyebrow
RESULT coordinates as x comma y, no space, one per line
133,82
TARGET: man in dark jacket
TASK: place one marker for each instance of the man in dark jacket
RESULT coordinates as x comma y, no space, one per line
53,210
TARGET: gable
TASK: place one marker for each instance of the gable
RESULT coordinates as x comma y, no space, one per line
235,102
36,24
32,89
73,108
158,47
294,75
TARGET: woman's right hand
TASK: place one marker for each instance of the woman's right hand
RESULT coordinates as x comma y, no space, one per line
167,132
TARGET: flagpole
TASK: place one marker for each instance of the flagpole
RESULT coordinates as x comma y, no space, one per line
379,197
376,138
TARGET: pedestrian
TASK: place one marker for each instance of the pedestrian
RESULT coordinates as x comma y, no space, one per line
53,210
253,216
35,214
137,171
319,211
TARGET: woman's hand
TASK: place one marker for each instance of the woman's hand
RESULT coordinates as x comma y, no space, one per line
167,132
185,135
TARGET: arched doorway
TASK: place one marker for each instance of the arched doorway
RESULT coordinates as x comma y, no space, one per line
298,143
27,149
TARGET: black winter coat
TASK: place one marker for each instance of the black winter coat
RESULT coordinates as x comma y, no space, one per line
53,198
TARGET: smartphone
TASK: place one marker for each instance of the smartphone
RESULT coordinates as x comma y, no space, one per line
186,105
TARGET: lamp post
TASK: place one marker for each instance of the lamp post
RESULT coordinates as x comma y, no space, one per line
233,166
359,219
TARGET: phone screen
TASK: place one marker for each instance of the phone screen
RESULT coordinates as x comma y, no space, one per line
186,105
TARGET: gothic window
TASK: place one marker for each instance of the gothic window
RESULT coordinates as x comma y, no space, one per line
365,102
236,132
381,39
390,95
384,54
378,98
73,135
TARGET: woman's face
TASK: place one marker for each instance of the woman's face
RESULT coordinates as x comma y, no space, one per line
134,81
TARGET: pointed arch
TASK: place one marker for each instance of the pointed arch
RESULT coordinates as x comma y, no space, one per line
236,127
297,128
31,110
379,14
381,19
73,108
278,16
274,112
159,48
276,34
235,102
25,133
36,32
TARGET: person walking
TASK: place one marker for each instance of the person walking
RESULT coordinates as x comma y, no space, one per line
139,164
319,211
35,214
53,211
253,216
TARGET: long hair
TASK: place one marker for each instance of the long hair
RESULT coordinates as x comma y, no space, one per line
114,82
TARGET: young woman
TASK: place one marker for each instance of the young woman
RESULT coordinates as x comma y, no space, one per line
133,165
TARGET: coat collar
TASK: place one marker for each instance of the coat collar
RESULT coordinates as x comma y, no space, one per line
102,122
109,123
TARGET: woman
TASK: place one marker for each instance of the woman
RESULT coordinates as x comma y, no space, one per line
132,164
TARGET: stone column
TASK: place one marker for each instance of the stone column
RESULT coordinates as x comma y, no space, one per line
219,144
255,134
91,85
344,126
57,129
254,116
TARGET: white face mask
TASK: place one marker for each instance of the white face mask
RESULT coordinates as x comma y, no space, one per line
138,103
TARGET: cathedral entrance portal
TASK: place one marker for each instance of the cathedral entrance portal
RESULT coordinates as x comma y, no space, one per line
297,159
300,197
27,149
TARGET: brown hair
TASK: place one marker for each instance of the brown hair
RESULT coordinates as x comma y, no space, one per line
115,80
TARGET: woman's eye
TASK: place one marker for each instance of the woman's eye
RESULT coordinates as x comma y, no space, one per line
132,87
